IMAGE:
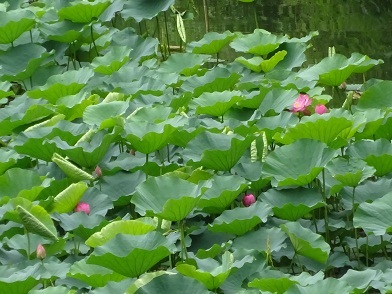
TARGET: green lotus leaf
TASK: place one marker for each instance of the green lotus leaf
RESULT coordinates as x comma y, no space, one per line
20,62
277,100
102,112
15,284
68,83
334,70
217,79
52,290
223,192
375,218
374,119
131,227
376,96
219,151
131,255
327,128
294,203
5,89
14,23
153,114
17,182
83,12
259,64
62,31
186,64
192,127
37,220
216,103
274,124
144,9
70,169
209,271
67,200
260,42
81,224
94,275
276,283
168,197
377,154
252,171
22,111
295,55
298,163
89,153
349,172
9,158
122,184
37,140
307,243
326,286
240,220
112,61
211,43
166,282
361,280
115,287
210,244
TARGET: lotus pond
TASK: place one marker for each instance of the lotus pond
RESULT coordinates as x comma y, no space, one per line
129,168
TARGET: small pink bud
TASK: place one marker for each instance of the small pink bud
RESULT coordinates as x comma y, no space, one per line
132,152
83,206
98,171
321,109
248,200
41,253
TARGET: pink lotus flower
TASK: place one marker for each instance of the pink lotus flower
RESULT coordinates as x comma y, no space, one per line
98,171
321,109
41,253
83,206
248,200
301,103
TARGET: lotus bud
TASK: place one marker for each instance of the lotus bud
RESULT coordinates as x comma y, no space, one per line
343,86
41,253
83,206
248,200
98,171
132,152
321,109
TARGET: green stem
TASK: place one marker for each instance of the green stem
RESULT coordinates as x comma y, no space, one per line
28,244
205,6
383,247
255,14
355,230
184,253
167,34
31,36
325,209
146,165
92,38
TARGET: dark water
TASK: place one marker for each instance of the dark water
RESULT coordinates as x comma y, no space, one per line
363,26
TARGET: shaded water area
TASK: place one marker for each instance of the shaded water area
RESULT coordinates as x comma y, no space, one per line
363,26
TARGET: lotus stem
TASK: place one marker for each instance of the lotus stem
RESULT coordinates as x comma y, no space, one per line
205,6
28,244
355,230
31,36
184,253
167,34
92,38
327,239
255,14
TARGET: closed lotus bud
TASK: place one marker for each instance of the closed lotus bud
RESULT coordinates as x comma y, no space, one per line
41,253
83,206
98,171
321,109
132,152
248,200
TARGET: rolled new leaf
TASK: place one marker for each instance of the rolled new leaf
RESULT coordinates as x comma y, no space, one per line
37,221
70,169
66,200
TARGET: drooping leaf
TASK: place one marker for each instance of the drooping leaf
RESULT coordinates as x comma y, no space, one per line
83,12
14,23
211,43
240,220
298,163
375,218
112,60
168,197
144,9
70,169
306,242
186,64
258,64
131,255
216,103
